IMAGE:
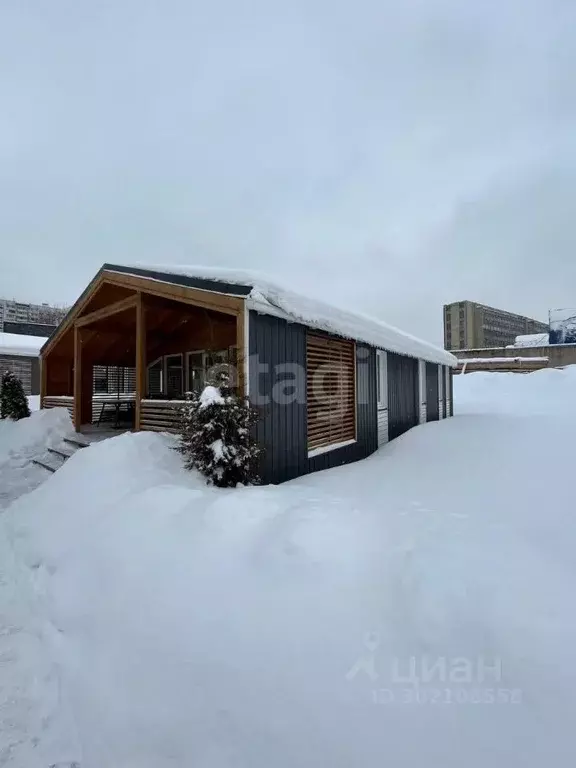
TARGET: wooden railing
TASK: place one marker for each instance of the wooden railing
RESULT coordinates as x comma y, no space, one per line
160,415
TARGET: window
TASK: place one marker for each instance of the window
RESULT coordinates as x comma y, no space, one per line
174,376
155,378
331,392
382,379
200,365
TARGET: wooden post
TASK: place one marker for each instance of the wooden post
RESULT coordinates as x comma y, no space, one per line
241,355
140,359
77,379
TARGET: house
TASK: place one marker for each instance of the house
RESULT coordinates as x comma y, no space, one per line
21,356
331,385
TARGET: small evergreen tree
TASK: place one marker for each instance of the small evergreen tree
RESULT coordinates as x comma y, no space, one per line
13,400
216,435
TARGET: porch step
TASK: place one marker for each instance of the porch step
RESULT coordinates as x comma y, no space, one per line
60,453
76,443
44,466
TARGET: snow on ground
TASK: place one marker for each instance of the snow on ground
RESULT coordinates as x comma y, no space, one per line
411,609
29,682
34,402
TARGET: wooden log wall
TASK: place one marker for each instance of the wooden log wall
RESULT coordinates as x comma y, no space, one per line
160,415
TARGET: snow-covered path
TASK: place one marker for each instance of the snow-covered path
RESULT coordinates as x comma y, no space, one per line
414,608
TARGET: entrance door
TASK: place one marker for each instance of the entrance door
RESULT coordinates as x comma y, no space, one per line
174,377
402,394
432,412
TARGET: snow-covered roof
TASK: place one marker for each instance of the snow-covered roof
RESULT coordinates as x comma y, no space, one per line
22,346
532,340
465,360
268,297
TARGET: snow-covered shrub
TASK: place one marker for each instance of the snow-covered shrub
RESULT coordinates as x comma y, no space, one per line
13,401
216,435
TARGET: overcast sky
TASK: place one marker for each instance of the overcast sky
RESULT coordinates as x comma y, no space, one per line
388,156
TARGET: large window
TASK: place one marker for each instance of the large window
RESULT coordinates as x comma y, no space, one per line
202,363
330,392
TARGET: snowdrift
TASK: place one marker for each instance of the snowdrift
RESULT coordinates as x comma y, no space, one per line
412,609
27,437
548,392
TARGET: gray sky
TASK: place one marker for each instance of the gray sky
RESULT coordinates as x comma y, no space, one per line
389,156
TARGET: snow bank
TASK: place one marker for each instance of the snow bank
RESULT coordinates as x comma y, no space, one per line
272,299
298,625
532,340
548,392
16,344
27,436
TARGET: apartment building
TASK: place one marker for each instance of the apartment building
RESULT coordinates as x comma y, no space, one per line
468,325
16,313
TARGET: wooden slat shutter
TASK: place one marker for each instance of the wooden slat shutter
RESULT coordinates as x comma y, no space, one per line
330,390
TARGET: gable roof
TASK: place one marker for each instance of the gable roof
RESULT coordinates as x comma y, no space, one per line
267,297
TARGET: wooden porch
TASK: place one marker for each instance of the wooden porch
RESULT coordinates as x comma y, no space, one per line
131,348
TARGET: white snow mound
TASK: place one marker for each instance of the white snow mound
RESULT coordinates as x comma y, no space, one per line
27,436
297,625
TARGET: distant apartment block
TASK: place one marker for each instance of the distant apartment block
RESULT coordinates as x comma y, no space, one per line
468,325
16,315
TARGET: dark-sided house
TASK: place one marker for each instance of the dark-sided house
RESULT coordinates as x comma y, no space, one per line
331,386
20,355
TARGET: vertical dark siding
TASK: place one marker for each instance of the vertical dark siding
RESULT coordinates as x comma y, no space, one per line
274,343
432,393
403,399
444,391
35,376
281,431
451,385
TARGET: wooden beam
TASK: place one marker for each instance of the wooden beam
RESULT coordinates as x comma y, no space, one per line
241,354
111,309
77,379
219,302
68,322
140,359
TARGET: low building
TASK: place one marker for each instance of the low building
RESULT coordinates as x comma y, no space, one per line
331,386
468,325
30,329
21,356
547,355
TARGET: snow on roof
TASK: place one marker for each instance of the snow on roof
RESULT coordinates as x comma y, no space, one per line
22,346
532,340
270,298
464,360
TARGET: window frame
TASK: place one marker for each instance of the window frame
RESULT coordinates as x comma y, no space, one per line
381,380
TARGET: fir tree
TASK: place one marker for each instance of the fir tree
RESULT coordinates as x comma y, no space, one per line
216,435
13,400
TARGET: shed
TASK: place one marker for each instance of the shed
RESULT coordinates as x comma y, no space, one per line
331,385
21,356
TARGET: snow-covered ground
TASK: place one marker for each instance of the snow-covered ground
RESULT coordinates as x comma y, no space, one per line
412,609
